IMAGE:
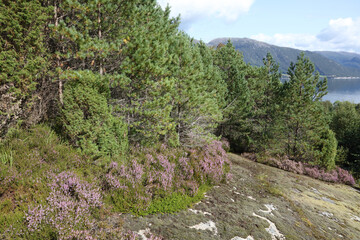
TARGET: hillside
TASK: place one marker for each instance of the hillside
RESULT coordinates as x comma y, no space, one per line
254,52
260,202
109,112
351,60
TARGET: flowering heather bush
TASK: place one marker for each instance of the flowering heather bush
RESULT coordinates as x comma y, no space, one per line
292,166
211,162
337,175
312,172
68,209
345,177
329,176
158,173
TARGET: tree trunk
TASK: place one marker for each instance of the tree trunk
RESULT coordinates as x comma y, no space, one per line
56,20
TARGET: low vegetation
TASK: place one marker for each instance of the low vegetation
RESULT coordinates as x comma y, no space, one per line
55,191
106,106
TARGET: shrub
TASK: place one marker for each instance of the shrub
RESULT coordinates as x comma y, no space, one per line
57,177
312,172
292,166
36,153
345,176
68,209
328,149
210,163
164,173
87,119
337,175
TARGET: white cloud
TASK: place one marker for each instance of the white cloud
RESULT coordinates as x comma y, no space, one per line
341,34
229,10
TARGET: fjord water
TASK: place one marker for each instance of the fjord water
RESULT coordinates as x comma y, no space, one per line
343,89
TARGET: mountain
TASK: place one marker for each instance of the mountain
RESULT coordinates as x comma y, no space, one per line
326,63
347,59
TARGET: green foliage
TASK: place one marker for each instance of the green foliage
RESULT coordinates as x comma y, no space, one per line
195,111
23,61
120,74
215,85
303,117
7,158
87,119
232,69
174,202
264,85
328,149
22,52
143,93
345,123
341,155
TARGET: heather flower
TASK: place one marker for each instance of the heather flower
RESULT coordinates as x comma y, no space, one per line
162,173
34,218
331,176
292,166
68,208
130,235
150,158
213,162
113,182
345,176
187,171
166,175
163,147
312,172
113,165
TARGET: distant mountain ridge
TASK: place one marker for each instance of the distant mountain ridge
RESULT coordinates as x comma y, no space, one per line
347,59
331,64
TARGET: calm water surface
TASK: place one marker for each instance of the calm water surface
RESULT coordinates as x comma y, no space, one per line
343,90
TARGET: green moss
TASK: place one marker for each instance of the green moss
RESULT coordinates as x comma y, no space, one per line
267,186
128,203
174,202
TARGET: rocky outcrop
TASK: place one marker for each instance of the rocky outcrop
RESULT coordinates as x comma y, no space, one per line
261,202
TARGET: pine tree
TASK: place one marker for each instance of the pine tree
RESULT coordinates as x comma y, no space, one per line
23,61
85,38
214,84
195,108
264,84
304,120
237,109
142,94
345,123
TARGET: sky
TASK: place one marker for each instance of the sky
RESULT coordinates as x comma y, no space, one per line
322,25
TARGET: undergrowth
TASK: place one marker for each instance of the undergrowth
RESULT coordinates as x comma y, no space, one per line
50,190
335,175
174,202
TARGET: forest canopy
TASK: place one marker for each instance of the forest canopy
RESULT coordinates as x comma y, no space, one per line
107,73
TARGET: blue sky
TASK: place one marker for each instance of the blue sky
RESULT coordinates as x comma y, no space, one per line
332,25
